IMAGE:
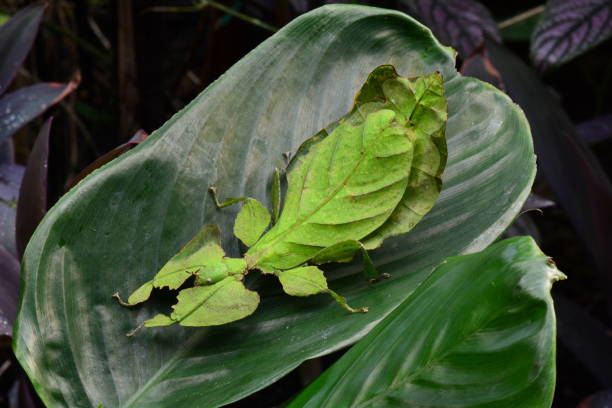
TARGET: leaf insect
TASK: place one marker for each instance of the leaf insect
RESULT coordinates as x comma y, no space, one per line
371,175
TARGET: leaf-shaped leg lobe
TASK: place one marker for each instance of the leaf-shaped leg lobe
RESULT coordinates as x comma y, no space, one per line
140,295
310,280
344,187
212,305
251,222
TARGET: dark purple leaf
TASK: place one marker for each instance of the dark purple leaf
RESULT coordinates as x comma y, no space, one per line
536,202
300,6
462,24
10,180
138,137
32,203
482,69
523,225
27,396
568,28
586,338
9,294
602,399
7,152
16,38
596,130
19,107
576,177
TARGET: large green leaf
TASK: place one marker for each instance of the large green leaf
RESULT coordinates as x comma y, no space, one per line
117,227
479,332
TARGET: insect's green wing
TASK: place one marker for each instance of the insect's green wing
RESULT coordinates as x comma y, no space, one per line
426,107
345,186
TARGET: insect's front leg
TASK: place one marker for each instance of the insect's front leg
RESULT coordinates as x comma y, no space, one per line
227,202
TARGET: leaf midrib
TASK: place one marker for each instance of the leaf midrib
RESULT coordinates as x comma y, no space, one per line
398,382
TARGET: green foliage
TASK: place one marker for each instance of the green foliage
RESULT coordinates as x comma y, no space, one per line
129,217
478,332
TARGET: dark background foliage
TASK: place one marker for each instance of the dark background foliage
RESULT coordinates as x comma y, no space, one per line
140,61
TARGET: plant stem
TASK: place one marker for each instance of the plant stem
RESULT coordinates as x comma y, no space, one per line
204,3
522,16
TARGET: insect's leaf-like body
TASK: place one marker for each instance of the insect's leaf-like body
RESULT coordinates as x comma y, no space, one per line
373,174
344,188
427,112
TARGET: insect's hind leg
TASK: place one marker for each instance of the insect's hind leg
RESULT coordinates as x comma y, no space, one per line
370,272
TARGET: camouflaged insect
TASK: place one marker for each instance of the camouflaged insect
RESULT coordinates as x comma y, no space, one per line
371,175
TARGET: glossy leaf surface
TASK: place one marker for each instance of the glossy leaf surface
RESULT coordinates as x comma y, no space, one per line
568,28
462,24
16,38
125,220
478,332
